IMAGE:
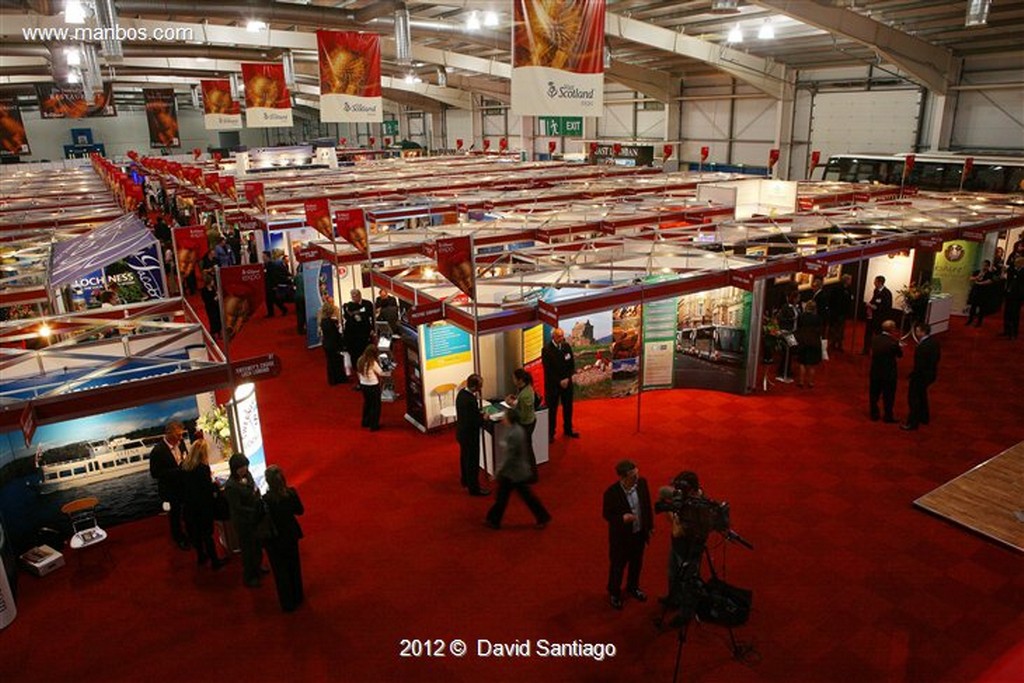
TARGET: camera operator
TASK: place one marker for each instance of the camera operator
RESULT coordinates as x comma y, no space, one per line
691,525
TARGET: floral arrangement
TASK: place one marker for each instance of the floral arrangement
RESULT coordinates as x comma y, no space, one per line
915,293
216,426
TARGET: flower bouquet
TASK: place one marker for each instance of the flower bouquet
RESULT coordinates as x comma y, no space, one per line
217,427
915,299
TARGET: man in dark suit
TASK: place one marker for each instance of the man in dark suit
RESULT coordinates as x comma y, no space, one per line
275,273
359,322
165,467
468,422
840,306
627,509
879,309
559,367
885,350
926,367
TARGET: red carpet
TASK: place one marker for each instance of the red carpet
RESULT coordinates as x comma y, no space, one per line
851,583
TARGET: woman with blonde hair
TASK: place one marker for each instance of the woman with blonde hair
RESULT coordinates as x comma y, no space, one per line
330,337
198,494
369,383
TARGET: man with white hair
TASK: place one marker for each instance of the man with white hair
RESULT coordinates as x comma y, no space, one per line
559,367
358,324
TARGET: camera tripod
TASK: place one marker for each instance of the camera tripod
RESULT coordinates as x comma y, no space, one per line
686,592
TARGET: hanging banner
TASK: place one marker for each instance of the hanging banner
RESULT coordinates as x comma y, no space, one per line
318,287
455,262
268,104
242,289
190,246
149,275
318,216
211,181
349,77
255,196
350,225
220,110
558,58
227,187
162,117
70,102
13,138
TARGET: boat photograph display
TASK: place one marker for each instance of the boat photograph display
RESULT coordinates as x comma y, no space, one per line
106,456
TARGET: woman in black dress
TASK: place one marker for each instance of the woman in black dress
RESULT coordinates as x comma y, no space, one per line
246,510
211,304
198,497
808,337
330,337
283,505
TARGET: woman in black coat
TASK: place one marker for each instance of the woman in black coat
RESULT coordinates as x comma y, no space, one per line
808,337
283,505
198,497
331,340
211,304
246,510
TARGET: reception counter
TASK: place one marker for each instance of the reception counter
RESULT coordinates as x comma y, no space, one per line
492,451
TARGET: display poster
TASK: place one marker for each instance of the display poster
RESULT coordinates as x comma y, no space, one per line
162,117
318,216
227,187
533,347
106,456
190,246
254,195
249,433
558,58
445,344
212,182
591,338
659,342
268,104
952,272
455,262
221,111
242,294
147,276
318,287
13,138
625,355
70,102
712,340
350,225
349,77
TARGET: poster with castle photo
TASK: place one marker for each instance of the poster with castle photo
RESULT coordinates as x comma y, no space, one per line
591,339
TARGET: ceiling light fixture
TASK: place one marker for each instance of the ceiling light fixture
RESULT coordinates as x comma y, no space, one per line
73,76
255,26
409,78
473,22
73,55
74,12
735,35
767,31
44,331
490,19
977,13
725,6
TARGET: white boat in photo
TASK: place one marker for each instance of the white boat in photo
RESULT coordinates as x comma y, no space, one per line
107,459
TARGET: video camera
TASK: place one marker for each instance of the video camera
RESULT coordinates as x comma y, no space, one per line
689,504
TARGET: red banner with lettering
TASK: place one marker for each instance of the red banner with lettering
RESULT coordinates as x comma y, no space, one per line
242,294
318,216
227,187
162,117
13,138
349,77
455,261
268,104
255,196
221,111
350,225
190,246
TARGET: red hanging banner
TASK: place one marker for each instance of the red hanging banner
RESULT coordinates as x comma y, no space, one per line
242,289
190,246
268,104
13,138
350,225
221,111
255,196
349,77
318,216
455,261
162,117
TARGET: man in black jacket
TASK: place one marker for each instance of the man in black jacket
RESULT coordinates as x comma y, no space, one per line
468,422
878,309
358,315
840,306
627,509
275,273
165,467
885,350
559,367
926,367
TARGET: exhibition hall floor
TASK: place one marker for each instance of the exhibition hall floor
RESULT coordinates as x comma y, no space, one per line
850,581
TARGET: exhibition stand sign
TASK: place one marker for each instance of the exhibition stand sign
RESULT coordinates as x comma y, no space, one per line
952,272
659,325
318,287
248,432
447,359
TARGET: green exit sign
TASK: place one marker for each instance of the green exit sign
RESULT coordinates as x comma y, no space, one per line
557,126
390,127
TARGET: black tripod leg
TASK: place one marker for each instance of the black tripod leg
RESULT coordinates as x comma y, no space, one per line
681,638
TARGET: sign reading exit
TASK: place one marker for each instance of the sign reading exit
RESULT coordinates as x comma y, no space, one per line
568,126
390,127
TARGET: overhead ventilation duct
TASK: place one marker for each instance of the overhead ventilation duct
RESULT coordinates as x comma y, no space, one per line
288,62
92,77
977,13
403,37
235,89
725,6
442,77
106,16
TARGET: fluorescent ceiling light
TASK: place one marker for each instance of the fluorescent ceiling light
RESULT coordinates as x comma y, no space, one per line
73,55
767,31
73,76
490,19
255,26
74,12
977,13
473,23
735,35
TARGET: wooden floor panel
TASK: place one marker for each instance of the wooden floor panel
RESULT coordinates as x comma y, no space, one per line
988,499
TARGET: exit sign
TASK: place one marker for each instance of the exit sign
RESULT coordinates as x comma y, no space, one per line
557,126
390,127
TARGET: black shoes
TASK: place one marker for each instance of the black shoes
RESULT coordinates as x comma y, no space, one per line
639,595
480,492
573,435
491,525
907,427
615,601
